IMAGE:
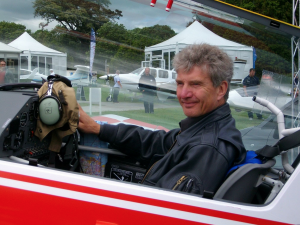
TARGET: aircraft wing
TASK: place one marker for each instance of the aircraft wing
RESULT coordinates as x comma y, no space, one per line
165,90
29,76
275,88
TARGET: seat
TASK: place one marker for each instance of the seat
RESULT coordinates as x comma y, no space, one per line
242,184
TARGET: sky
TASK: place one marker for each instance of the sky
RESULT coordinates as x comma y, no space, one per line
136,13
20,12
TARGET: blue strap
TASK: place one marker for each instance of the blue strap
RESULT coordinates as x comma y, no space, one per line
250,159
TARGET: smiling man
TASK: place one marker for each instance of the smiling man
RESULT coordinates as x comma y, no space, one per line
196,157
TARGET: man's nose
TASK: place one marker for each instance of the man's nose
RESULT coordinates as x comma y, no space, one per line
186,92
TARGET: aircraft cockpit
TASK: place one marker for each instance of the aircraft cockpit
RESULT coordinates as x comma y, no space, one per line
19,144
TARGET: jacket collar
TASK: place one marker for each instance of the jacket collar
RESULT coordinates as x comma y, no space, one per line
192,125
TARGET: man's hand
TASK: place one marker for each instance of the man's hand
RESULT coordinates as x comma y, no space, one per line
86,123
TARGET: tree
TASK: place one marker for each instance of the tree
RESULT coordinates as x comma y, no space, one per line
109,38
278,9
124,49
76,15
10,31
148,36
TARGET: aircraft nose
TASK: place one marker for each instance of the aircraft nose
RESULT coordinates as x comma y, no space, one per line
104,77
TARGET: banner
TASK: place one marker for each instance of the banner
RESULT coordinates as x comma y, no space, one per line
92,51
254,57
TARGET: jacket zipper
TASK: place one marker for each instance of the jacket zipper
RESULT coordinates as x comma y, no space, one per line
158,160
179,182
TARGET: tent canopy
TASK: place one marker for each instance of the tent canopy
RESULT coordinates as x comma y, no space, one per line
36,55
27,43
196,33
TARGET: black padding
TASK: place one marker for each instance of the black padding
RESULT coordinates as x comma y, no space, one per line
57,77
268,151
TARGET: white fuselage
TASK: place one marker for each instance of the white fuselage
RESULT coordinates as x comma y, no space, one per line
165,81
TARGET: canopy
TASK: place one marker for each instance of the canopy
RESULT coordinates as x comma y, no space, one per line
4,48
27,43
196,33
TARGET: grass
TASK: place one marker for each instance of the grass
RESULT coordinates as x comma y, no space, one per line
242,121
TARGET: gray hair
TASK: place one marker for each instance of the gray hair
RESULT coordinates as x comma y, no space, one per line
118,71
213,60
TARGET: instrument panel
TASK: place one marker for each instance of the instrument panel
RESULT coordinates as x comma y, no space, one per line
18,122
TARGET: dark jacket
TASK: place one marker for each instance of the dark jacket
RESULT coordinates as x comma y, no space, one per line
147,84
251,81
200,157
251,84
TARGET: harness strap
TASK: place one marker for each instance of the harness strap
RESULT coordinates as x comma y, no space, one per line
283,144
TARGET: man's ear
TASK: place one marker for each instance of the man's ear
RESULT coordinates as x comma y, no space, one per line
222,89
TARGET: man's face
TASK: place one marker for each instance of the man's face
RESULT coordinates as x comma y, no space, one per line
147,71
196,93
252,73
2,65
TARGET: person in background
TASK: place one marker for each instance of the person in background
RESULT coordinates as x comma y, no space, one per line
251,85
52,72
196,157
147,85
117,87
5,75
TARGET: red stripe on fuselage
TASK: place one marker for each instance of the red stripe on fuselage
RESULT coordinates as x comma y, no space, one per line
131,121
27,207
143,124
138,199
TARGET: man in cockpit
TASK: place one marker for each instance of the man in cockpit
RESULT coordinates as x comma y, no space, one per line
195,157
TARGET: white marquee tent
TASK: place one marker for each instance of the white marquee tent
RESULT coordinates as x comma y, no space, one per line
196,33
36,55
